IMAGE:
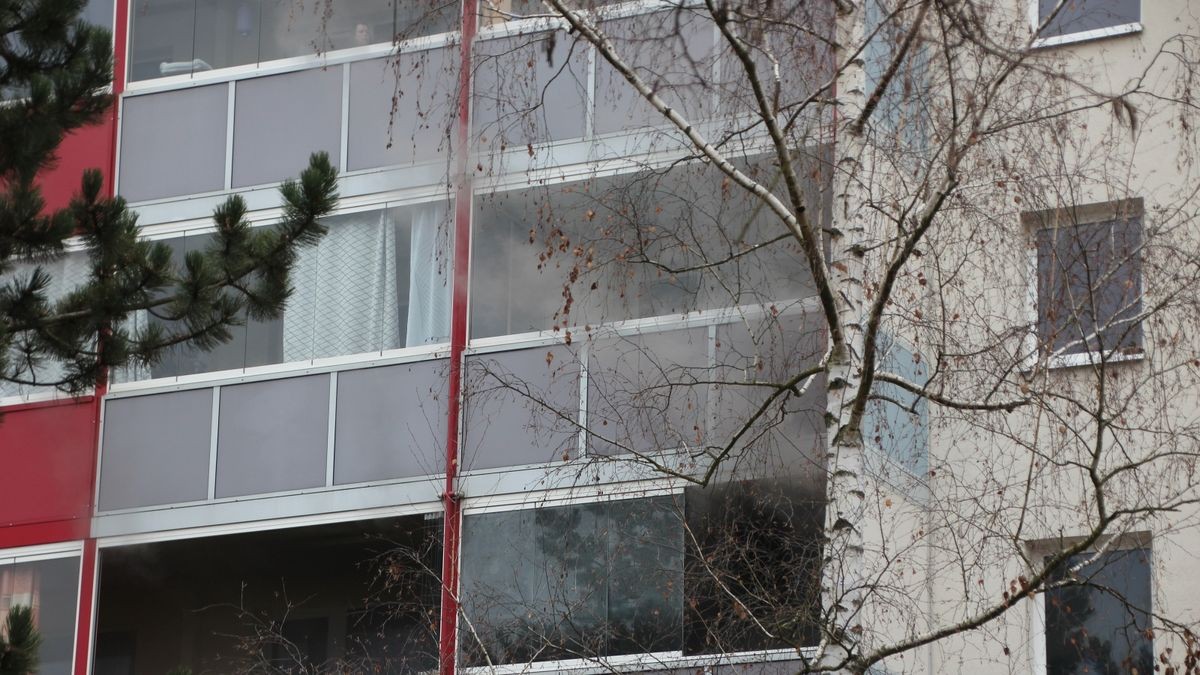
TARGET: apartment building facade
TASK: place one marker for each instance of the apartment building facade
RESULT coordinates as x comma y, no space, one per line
465,443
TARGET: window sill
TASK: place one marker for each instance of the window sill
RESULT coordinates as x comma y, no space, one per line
1094,358
1088,35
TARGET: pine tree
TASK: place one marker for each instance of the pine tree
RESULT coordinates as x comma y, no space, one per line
19,642
53,73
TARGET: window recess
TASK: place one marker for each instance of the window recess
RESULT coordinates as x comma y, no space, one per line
1098,620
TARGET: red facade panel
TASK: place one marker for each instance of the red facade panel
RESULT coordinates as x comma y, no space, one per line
87,148
46,458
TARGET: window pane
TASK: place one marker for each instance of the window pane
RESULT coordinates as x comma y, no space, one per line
156,449
1082,15
572,582
522,407
226,33
639,245
1101,623
162,40
755,564
391,422
98,13
66,274
173,143
1089,286
301,27
787,438
50,588
273,436
280,120
646,393
352,597
674,52
529,89
402,109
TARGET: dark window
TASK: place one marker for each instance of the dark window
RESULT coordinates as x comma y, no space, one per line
1089,286
1078,16
1099,622
351,597
572,582
752,578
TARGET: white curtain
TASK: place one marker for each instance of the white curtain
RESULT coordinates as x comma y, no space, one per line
429,277
345,299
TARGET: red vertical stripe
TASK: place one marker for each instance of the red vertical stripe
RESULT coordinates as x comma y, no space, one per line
452,539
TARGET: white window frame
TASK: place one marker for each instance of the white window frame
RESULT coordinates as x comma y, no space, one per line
1035,21
1084,214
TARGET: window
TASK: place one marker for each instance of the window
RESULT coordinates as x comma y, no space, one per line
1085,19
1098,621
378,280
1089,279
349,597
183,38
50,588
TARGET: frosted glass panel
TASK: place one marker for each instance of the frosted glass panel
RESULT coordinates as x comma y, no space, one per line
402,108
155,449
280,120
273,436
391,422
522,407
173,143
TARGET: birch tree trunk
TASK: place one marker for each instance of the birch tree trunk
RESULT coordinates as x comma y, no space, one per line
841,583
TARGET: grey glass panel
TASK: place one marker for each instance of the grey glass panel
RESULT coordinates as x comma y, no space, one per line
402,108
52,587
280,120
753,574
637,245
221,604
1101,623
572,582
1082,15
173,143
674,52
1089,286
522,407
529,89
98,13
646,393
273,436
754,360
391,422
155,449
